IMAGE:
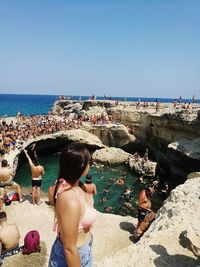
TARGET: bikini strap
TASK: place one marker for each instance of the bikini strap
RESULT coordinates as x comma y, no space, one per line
64,186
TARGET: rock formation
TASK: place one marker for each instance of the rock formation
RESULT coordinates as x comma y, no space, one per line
172,135
110,155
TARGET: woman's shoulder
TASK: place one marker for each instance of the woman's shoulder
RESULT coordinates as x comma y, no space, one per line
68,198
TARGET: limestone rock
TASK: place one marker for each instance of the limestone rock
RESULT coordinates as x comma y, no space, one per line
110,155
114,135
143,167
189,147
72,108
82,136
193,175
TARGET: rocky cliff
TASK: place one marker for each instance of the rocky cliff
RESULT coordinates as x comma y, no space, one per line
172,135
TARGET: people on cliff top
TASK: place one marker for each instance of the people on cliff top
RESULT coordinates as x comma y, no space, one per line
74,210
145,213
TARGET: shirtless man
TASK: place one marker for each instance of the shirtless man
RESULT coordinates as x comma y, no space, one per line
9,237
6,178
37,172
145,213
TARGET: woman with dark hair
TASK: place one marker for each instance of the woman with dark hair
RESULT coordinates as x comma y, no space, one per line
74,212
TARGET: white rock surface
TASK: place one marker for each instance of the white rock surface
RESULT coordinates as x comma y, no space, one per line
110,155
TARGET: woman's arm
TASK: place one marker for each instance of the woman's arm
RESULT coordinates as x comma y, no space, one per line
68,213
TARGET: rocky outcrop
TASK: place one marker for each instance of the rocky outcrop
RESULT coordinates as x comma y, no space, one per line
142,166
53,142
116,156
114,135
188,147
110,155
172,135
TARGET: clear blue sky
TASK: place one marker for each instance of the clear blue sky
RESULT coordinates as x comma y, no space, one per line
120,48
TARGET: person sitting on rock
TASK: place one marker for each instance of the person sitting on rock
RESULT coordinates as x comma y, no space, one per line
136,155
9,238
6,178
144,209
90,187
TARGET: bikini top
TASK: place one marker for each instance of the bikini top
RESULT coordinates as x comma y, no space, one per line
90,213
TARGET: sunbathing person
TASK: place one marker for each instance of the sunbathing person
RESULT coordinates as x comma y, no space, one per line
9,238
90,187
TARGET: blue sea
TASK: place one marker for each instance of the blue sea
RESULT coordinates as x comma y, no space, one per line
11,104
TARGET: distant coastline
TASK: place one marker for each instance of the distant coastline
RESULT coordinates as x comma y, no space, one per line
11,104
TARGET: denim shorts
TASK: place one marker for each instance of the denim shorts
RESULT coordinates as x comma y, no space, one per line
57,257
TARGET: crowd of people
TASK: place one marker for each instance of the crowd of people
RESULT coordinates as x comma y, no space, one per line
14,133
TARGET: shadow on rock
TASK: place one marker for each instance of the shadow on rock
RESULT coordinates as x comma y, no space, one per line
185,242
38,259
177,260
129,227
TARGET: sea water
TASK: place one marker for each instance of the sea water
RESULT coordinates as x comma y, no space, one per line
103,178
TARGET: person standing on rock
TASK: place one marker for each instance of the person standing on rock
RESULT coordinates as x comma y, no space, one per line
37,172
145,213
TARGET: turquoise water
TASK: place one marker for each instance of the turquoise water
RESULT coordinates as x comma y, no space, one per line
101,179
